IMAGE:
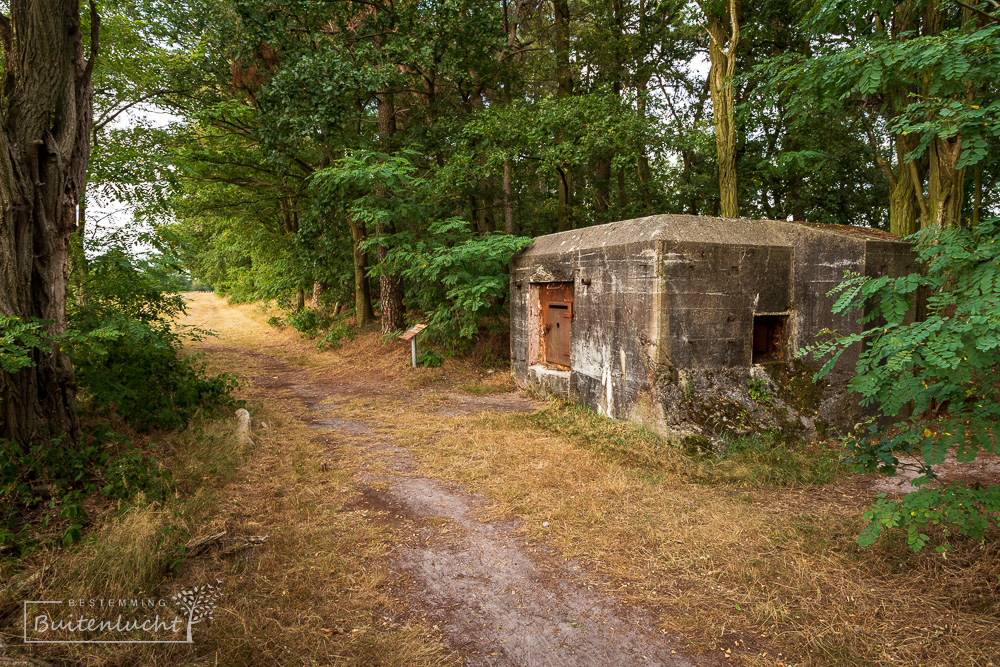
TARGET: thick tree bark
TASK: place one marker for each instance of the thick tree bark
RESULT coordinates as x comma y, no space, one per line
390,285
722,56
945,184
903,214
46,109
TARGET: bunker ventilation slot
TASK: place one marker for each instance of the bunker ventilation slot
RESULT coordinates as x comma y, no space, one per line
768,338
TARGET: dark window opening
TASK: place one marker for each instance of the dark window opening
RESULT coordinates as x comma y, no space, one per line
768,338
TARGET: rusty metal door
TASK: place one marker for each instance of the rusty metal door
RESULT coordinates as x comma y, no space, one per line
557,318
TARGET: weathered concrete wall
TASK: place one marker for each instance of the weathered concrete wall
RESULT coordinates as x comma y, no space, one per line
821,258
614,328
615,289
713,291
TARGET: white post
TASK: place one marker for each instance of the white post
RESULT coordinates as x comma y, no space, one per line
413,350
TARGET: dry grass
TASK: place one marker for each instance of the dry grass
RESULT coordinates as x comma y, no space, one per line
773,575
317,592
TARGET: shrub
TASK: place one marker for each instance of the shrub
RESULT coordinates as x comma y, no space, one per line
933,380
48,483
336,334
126,350
308,321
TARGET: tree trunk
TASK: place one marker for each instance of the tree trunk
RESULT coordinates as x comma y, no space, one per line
903,214
721,71
46,110
363,313
564,79
977,204
300,299
508,201
390,285
318,288
944,184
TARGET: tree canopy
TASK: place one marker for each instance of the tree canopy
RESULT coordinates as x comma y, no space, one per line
347,147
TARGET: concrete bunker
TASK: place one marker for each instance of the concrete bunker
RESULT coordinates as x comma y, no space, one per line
667,319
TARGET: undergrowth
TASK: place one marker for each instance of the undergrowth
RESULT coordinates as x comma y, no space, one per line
748,460
126,350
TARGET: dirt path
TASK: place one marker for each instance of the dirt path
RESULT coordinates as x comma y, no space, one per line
497,599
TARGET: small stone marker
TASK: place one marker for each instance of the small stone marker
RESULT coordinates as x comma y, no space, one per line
411,335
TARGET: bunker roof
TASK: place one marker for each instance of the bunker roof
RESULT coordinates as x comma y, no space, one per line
694,229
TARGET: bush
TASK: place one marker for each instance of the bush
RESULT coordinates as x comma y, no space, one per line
126,354
47,485
335,335
308,321
126,350
933,380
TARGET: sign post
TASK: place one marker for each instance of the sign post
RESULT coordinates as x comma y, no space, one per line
411,335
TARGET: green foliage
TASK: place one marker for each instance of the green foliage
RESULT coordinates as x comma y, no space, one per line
945,67
46,486
18,339
458,277
933,379
463,277
954,509
429,358
308,321
335,335
126,350
757,389
132,471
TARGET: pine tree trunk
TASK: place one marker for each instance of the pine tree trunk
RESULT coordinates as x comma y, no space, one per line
46,110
